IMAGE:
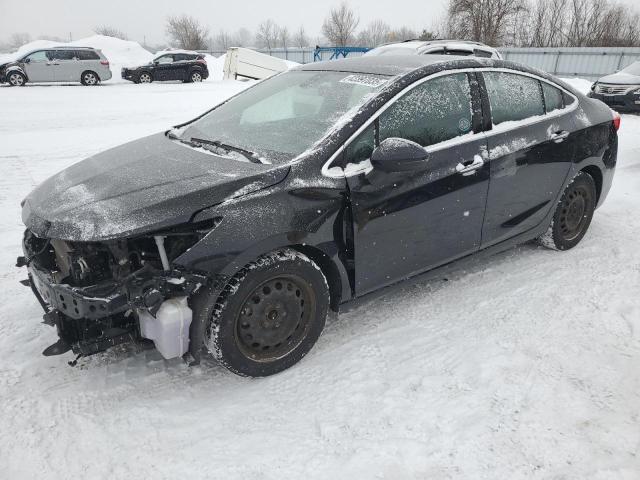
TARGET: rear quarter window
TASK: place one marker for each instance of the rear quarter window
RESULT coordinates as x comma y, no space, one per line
87,55
552,97
513,97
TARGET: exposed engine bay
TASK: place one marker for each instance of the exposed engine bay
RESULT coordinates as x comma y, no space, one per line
97,294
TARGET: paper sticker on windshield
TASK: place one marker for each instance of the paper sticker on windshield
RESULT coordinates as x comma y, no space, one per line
368,80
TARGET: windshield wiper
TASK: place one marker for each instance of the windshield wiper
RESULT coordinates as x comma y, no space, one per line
248,154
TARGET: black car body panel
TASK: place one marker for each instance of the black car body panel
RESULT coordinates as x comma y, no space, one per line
139,187
365,230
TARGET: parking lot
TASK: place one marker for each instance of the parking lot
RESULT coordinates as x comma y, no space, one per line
524,364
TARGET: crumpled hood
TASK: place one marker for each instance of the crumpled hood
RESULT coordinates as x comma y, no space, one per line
620,78
139,187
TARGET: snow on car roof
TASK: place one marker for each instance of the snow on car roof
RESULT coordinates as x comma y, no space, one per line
387,64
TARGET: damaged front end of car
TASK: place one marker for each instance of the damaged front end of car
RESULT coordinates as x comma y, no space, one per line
98,294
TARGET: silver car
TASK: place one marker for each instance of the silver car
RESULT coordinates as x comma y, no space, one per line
86,65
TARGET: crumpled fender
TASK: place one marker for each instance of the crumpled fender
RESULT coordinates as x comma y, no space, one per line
16,68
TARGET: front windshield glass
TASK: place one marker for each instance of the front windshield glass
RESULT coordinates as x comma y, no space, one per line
284,116
633,69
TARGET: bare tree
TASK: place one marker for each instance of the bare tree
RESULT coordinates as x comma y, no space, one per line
300,38
242,38
283,37
339,27
186,32
376,33
486,21
403,33
267,35
222,41
16,40
110,32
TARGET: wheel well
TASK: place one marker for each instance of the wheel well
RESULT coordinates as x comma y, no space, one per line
329,270
90,71
596,174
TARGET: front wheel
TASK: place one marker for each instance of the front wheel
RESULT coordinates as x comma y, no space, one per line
145,77
16,79
268,316
573,214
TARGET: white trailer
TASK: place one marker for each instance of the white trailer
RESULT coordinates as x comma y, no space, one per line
247,63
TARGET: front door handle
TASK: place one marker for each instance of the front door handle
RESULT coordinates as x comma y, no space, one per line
559,137
470,168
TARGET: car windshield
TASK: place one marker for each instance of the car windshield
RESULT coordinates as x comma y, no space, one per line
633,69
284,116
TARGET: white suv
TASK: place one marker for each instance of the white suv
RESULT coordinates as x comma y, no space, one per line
437,47
58,64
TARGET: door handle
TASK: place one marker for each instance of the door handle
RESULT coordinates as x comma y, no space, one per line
470,168
559,137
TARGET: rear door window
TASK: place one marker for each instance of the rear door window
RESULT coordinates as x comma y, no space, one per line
513,97
433,112
64,54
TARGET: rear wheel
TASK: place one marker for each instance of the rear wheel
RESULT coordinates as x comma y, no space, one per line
89,78
145,77
16,79
573,214
269,315
195,77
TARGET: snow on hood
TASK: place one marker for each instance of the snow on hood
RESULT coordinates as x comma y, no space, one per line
621,78
139,187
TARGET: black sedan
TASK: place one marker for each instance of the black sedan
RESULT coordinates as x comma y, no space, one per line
621,90
183,66
246,226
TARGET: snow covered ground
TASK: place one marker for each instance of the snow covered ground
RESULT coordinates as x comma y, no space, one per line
521,365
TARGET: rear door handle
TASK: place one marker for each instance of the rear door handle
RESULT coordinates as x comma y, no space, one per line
470,168
559,137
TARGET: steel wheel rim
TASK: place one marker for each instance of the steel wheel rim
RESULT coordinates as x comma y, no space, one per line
16,79
275,318
89,79
196,77
574,212
145,78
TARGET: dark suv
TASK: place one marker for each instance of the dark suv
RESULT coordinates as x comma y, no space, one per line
185,66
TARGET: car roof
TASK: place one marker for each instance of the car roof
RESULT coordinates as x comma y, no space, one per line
392,64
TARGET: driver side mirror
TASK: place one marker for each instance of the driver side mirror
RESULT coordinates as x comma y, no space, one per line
399,155
26,60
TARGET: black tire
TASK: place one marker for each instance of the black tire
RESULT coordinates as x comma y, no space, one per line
145,77
89,78
195,76
573,214
268,316
16,79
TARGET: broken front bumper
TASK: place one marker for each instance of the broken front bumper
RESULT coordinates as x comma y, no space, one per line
76,302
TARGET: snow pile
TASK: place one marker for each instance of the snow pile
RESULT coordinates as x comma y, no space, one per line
579,84
120,53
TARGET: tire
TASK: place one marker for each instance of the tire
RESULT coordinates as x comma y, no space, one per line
195,77
89,78
268,316
573,214
145,77
16,79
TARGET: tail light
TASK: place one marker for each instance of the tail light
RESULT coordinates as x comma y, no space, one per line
104,62
616,121
201,60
